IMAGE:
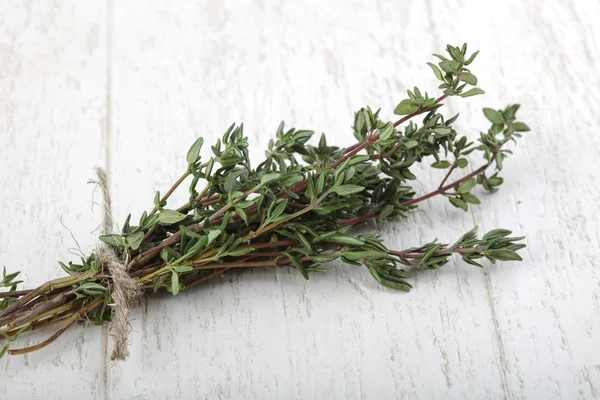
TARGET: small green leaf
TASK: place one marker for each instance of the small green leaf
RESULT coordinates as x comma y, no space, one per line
299,266
321,259
149,222
135,240
212,235
406,107
244,204
92,288
321,182
169,254
174,283
468,258
364,255
503,255
441,164
520,127
242,214
196,248
386,132
436,71
266,178
291,179
303,240
449,66
343,239
466,186
458,203
279,209
494,116
470,60
182,268
462,162
386,211
157,200
345,190
496,233
499,160
113,240
92,285
495,181
470,198
429,253
442,130
9,278
193,154
169,217
358,159
400,274
409,144
468,78
497,128
373,272
405,172
230,184
473,92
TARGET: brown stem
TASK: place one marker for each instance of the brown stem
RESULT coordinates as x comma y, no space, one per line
170,192
450,185
362,218
15,293
33,305
74,318
42,323
385,155
51,304
447,176
24,300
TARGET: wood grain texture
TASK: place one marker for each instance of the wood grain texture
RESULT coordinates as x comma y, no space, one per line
164,72
52,102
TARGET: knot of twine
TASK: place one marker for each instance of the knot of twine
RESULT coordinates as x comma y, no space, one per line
125,287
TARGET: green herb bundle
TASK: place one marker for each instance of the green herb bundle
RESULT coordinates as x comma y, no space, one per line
296,209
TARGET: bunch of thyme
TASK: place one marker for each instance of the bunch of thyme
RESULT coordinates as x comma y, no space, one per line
296,209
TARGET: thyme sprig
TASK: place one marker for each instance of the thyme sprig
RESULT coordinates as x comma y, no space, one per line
297,208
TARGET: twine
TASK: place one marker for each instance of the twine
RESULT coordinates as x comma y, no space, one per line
125,287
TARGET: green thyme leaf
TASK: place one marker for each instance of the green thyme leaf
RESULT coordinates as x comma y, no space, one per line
346,190
193,154
472,92
169,217
494,116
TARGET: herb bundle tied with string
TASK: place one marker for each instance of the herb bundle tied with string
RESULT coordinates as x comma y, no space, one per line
296,209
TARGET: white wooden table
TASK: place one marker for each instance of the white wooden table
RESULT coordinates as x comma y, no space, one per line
127,86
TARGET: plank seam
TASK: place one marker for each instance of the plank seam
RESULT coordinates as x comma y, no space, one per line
108,170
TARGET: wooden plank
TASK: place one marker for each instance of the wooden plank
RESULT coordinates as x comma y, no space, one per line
521,330
189,71
52,102
546,309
